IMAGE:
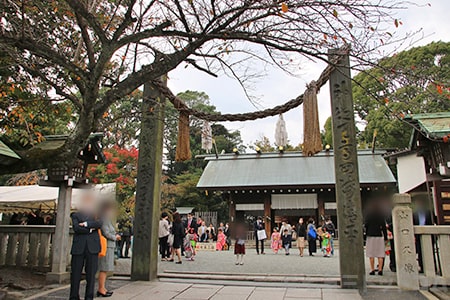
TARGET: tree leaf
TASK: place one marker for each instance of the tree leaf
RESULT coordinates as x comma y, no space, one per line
439,89
396,23
335,13
284,7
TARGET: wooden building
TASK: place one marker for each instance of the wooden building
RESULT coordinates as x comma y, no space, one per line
7,156
287,185
424,168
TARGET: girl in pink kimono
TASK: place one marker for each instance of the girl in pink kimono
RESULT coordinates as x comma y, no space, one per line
275,241
221,240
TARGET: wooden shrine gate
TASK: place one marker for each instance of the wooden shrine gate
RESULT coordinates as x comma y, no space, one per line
144,264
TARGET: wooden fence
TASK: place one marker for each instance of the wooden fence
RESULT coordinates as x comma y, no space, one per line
210,217
26,246
435,248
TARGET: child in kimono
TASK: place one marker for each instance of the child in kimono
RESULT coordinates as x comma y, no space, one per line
286,239
275,240
326,243
221,240
193,238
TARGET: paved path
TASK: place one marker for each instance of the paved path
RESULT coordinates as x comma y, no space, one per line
125,290
179,291
258,280
292,266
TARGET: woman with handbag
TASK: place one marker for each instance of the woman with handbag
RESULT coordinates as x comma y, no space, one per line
106,262
312,237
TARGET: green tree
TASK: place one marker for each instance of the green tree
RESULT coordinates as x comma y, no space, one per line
327,133
265,145
410,82
93,53
26,112
187,194
180,181
225,140
121,122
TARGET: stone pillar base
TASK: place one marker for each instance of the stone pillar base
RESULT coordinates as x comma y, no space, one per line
52,277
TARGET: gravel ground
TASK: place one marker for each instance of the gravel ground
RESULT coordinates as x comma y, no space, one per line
20,283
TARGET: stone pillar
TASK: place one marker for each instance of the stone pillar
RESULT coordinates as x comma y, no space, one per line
348,196
405,249
60,241
145,259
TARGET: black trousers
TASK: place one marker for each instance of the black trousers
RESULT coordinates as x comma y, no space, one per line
203,238
257,246
392,264
419,252
164,248
125,241
90,263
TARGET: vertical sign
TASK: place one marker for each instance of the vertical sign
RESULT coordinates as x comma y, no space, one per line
348,195
145,244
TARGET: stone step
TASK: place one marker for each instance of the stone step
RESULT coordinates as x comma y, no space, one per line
259,279
251,278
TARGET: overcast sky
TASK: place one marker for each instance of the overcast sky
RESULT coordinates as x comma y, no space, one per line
276,88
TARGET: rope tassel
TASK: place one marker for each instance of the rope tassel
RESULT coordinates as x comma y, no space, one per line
312,141
183,151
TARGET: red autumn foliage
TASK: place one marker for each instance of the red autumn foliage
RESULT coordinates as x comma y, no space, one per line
121,168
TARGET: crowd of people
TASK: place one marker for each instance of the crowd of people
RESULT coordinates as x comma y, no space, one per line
34,217
283,237
179,237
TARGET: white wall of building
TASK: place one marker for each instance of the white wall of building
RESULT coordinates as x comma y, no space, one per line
411,172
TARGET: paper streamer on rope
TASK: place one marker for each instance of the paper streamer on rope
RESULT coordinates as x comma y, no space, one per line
183,145
312,141
281,137
207,137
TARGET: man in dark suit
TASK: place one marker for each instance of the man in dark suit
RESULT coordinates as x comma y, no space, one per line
421,216
259,225
191,224
85,248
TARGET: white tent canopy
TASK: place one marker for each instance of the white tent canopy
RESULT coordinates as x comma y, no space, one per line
30,197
